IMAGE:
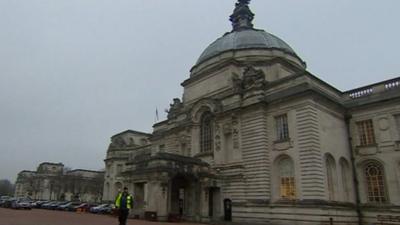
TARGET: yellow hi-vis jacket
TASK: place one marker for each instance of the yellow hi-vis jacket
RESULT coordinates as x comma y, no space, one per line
129,201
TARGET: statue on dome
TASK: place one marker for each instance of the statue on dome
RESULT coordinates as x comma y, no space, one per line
243,2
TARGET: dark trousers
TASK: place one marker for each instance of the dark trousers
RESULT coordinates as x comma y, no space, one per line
123,216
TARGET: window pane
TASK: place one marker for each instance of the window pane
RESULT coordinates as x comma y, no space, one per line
375,182
206,133
287,180
282,127
366,132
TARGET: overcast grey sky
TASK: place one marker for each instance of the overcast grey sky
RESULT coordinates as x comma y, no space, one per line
75,72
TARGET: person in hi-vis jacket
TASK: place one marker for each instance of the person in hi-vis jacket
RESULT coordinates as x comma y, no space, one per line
123,202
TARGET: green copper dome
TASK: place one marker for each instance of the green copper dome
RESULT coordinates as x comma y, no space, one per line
243,36
244,39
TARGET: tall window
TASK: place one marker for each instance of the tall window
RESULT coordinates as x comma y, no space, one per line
287,181
206,133
346,180
366,132
282,127
374,177
397,118
331,175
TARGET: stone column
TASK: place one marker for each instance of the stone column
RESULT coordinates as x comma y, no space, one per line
203,201
157,200
195,139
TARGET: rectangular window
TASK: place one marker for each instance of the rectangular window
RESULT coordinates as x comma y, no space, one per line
366,132
282,127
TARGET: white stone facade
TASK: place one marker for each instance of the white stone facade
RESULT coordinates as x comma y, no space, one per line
52,182
258,139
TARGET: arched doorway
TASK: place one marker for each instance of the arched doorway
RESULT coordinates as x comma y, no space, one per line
183,201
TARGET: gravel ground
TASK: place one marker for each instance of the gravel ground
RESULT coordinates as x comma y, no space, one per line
48,217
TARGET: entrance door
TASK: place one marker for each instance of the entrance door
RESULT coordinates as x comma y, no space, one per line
211,203
227,210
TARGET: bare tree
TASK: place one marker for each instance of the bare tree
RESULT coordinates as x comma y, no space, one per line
6,187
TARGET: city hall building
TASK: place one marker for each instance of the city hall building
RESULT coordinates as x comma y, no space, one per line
257,138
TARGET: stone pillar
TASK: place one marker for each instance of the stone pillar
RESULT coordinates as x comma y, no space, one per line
195,140
203,201
157,200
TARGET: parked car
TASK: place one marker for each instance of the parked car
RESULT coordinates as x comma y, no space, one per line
7,203
38,204
20,204
72,206
103,209
49,205
64,206
84,207
56,205
3,199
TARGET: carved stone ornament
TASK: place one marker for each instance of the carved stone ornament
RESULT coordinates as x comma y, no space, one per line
217,137
237,83
118,142
235,132
227,128
174,108
253,79
383,123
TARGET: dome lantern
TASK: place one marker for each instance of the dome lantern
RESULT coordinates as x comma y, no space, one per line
242,16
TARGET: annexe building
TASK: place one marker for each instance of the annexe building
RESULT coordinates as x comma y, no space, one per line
51,181
257,138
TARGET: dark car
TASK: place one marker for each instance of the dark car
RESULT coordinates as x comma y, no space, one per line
84,207
49,205
39,204
64,206
72,207
56,205
3,199
7,203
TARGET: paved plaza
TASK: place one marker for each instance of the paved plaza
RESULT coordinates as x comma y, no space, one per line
47,217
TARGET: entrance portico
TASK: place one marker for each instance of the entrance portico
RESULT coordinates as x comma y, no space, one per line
170,186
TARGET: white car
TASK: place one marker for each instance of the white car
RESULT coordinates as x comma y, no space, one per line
20,204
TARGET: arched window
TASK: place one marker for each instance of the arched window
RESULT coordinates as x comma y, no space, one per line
346,179
206,133
287,179
331,175
374,176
